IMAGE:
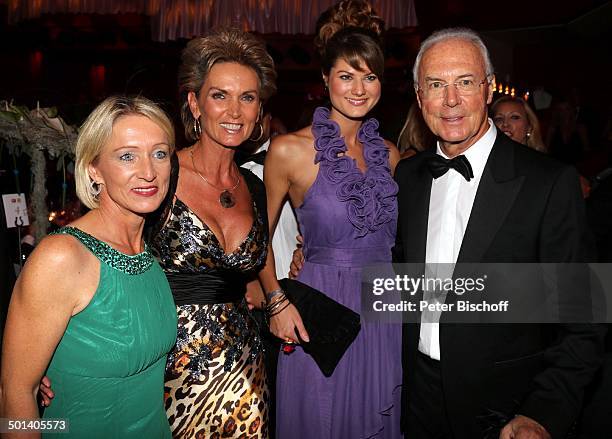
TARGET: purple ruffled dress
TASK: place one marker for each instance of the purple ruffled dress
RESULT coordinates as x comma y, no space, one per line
348,220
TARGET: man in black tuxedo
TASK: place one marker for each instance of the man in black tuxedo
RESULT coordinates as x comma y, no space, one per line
480,197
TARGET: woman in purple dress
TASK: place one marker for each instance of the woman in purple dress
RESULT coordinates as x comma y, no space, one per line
338,174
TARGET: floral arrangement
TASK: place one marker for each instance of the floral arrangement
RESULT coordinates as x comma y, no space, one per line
34,132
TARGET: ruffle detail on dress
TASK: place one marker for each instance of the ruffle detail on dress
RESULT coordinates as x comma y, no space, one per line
370,196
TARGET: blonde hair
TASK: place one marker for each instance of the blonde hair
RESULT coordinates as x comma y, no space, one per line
534,139
97,130
223,45
415,132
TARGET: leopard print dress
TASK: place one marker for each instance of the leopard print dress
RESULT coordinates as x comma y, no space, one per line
215,383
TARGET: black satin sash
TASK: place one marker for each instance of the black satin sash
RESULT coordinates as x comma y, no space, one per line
214,286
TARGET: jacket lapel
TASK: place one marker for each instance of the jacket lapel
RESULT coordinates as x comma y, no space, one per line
496,194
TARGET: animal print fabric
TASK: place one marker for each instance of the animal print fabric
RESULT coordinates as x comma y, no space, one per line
216,403
215,383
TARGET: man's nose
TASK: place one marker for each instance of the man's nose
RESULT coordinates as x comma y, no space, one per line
451,96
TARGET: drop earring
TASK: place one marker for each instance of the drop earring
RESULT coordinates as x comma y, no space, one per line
197,128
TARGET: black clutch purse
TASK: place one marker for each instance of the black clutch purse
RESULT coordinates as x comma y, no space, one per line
331,326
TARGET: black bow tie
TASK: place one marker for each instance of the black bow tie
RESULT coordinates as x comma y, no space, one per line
259,158
438,166
256,158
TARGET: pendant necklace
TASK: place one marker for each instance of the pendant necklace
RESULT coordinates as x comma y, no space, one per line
226,199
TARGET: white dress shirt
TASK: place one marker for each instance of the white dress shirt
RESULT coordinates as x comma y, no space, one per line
284,241
450,205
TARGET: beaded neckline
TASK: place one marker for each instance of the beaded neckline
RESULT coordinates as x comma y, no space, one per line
128,264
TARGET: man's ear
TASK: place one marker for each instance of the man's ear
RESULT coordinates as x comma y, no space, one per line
193,104
418,97
491,89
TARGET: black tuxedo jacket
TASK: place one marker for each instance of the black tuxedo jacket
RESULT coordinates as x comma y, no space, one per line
528,208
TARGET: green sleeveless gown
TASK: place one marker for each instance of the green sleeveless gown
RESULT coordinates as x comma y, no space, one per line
108,369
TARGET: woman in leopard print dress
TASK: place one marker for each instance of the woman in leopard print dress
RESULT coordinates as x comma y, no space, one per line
212,238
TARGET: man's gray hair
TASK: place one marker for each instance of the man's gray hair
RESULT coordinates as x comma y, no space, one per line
452,33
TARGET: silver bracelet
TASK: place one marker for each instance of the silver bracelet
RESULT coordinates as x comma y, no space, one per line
272,294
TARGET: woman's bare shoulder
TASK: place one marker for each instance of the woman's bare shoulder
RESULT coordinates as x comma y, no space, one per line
393,151
60,261
394,155
292,145
59,249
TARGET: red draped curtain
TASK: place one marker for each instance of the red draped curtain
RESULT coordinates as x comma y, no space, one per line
172,19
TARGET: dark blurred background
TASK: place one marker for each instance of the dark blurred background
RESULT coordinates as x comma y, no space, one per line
72,61
559,51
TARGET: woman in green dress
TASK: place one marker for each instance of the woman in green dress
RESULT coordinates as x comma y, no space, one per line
92,308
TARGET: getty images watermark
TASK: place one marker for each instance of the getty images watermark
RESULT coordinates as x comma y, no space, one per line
437,288
488,293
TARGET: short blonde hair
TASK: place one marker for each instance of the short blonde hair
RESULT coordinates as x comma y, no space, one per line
97,130
223,45
534,139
